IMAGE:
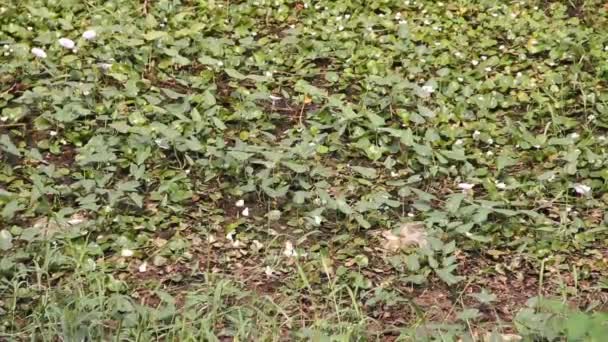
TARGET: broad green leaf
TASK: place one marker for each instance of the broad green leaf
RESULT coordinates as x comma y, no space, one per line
453,202
240,156
234,74
153,35
295,167
366,172
7,145
505,160
6,240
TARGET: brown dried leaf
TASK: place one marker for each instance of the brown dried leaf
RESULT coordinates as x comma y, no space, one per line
409,234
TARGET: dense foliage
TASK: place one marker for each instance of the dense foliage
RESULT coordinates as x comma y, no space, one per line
194,170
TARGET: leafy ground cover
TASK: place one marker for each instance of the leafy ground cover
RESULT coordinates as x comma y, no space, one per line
282,170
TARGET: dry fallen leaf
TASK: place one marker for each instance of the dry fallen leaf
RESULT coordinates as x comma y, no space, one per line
409,234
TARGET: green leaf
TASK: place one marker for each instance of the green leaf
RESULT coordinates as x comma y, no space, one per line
153,35
484,297
240,156
468,314
577,326
455,154
7,145
453,202
505,160
218,123
295,167
234,74
137,199
304,87
300,196
366,172
446,275
10,209
376,120
275,193
6,240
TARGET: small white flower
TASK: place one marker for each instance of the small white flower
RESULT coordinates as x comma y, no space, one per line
240,203
502,47
39,52
582,189
4,118
460,79
126,253
89,34
143,267
257,244
474,62
402,22
220,63
458,142
410,214
606,48
476,134
488,69
29,28
289,250
52,133
428,89
489,153
591,117
601,138
519,74
245,212
318,219
574,135
6,46
67,43
500,185
394,174
490,141
347,16
484,57
466,186
340,28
